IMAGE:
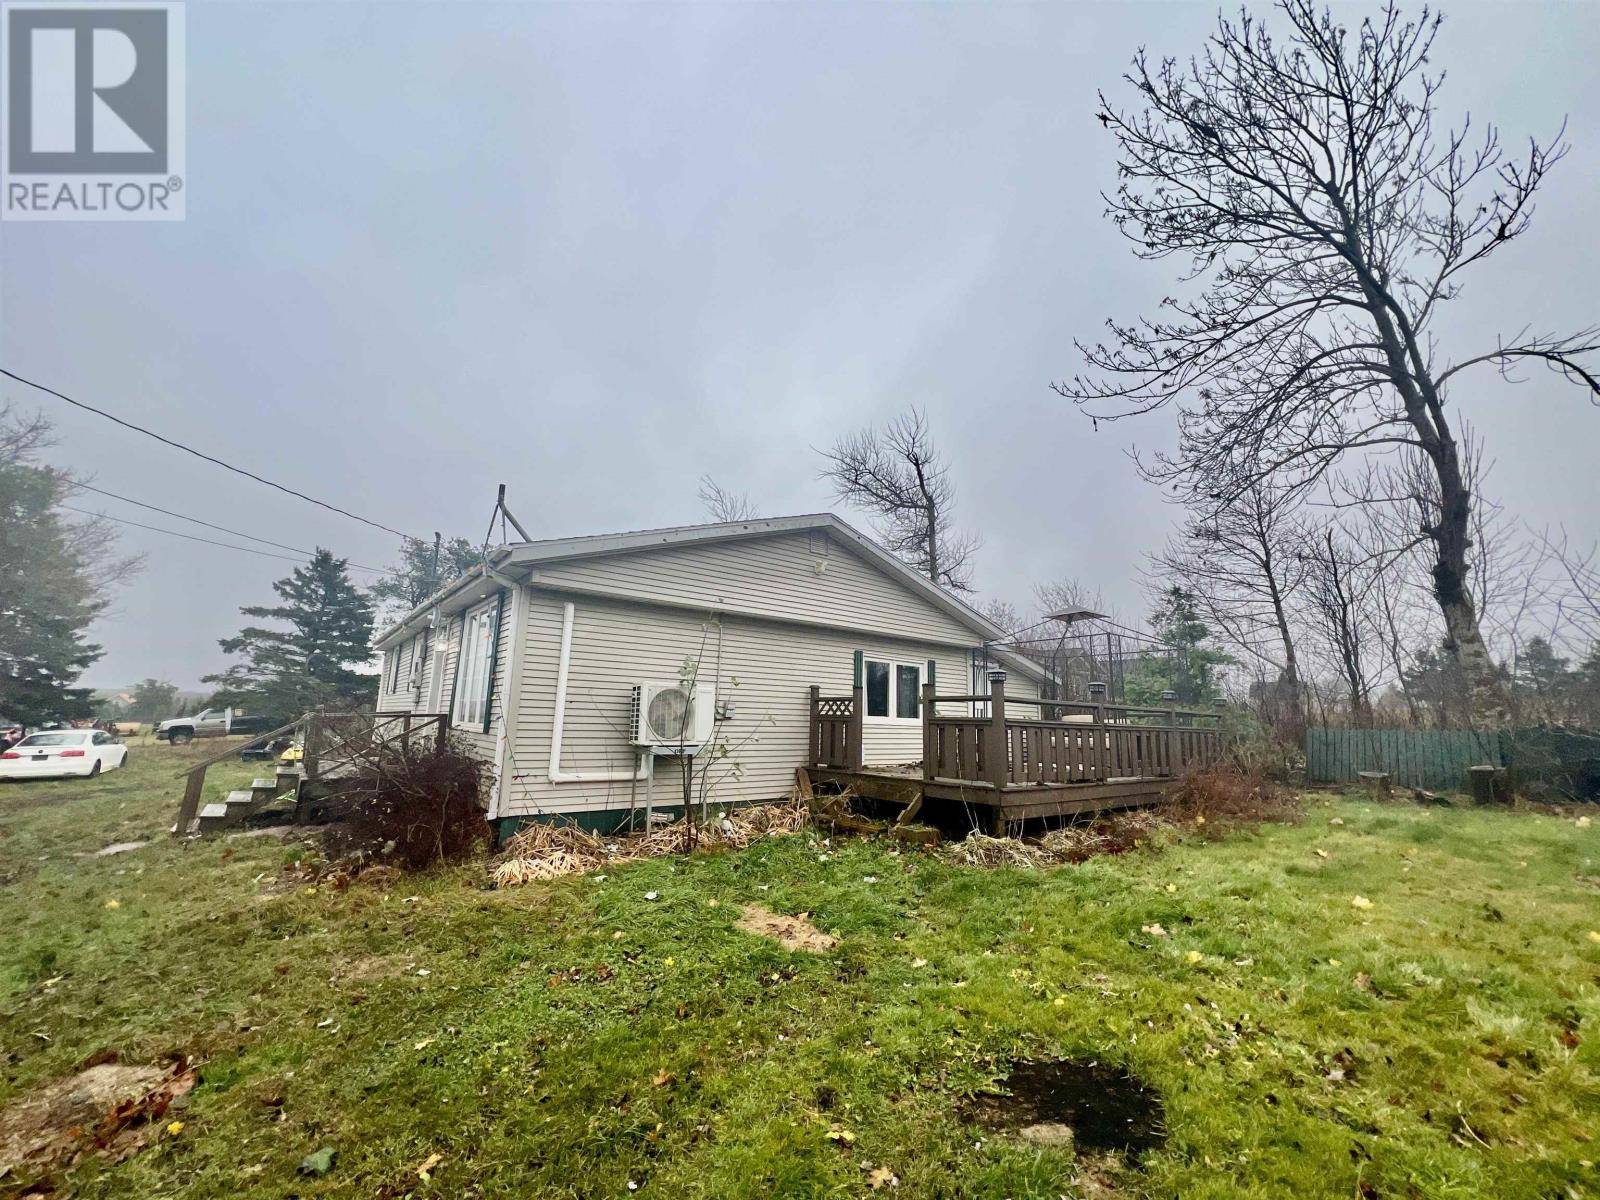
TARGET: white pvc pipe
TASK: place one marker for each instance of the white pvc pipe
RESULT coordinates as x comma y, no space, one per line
555,773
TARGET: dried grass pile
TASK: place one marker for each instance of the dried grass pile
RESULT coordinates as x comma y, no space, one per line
1116,833
547,851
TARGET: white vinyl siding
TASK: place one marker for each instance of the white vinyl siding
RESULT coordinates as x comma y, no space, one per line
809,577
475,670
763,669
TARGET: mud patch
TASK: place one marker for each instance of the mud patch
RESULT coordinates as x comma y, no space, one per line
792,933
1091,1106
107,1108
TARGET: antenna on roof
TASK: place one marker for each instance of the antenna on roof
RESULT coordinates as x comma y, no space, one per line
504,513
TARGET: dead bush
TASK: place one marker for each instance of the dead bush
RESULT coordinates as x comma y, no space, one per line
412,808
1216,798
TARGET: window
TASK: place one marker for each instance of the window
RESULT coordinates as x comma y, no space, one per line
394,668
475,668
894,690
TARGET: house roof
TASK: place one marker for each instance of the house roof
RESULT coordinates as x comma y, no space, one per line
518,557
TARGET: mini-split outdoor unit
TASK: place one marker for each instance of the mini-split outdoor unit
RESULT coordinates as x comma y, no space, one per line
672,716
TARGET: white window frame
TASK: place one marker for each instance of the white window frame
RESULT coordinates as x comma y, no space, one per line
474,673
391,669
894,665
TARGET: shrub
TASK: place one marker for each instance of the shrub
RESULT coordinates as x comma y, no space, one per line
1226,794
413,808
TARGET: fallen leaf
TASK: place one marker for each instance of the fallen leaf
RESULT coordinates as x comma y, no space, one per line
174,1128
881,1177
426,1166
662,1077
1363,982
1193,957
1363,902
1320,853
1154,930
1172,887
1594,935
423,1044
1334,962
652,895
839,1134
922,962
1583,822
113,903
319,1163
1336,821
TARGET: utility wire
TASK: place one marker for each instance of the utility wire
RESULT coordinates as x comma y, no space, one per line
191,537
100,412
219,528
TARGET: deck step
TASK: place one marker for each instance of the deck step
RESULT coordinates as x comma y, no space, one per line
265,785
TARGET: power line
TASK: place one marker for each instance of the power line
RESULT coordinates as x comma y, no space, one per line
166,512
100,412
191,537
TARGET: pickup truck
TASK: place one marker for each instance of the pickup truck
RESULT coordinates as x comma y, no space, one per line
213,722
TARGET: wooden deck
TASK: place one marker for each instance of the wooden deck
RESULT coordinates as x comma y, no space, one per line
1053,758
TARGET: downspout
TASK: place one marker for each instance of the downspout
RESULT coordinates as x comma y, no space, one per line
555,773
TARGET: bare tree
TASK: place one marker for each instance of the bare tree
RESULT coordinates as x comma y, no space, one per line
898,475
1242,562
725,505
1326,224
1003,613
1338,578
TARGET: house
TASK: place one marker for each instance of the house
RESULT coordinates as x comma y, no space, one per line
535,657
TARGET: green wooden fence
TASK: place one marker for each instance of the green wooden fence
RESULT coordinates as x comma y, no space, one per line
1427,758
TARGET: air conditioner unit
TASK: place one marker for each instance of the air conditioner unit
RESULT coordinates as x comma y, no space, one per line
671,715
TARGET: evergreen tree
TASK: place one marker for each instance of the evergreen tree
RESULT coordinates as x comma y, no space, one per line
55,576
418,576
1543,681
311,663
1191,668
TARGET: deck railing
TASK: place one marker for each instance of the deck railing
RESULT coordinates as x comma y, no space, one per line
332,744
836,729
1070,741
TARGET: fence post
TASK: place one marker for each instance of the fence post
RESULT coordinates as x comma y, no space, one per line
442,723
998,752
858,710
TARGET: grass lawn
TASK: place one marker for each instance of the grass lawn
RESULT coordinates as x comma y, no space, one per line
581,1039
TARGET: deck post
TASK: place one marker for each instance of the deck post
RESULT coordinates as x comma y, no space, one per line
858,710
312,746
999,770
190,806
441,738
814,753
928,744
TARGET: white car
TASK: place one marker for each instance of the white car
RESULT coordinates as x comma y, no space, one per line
62,752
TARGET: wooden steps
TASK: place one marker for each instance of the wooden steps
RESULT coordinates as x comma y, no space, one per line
243,803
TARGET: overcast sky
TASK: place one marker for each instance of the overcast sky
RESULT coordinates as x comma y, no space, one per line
594,251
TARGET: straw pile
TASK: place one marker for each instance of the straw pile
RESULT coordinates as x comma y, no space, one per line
1111,834
547,851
